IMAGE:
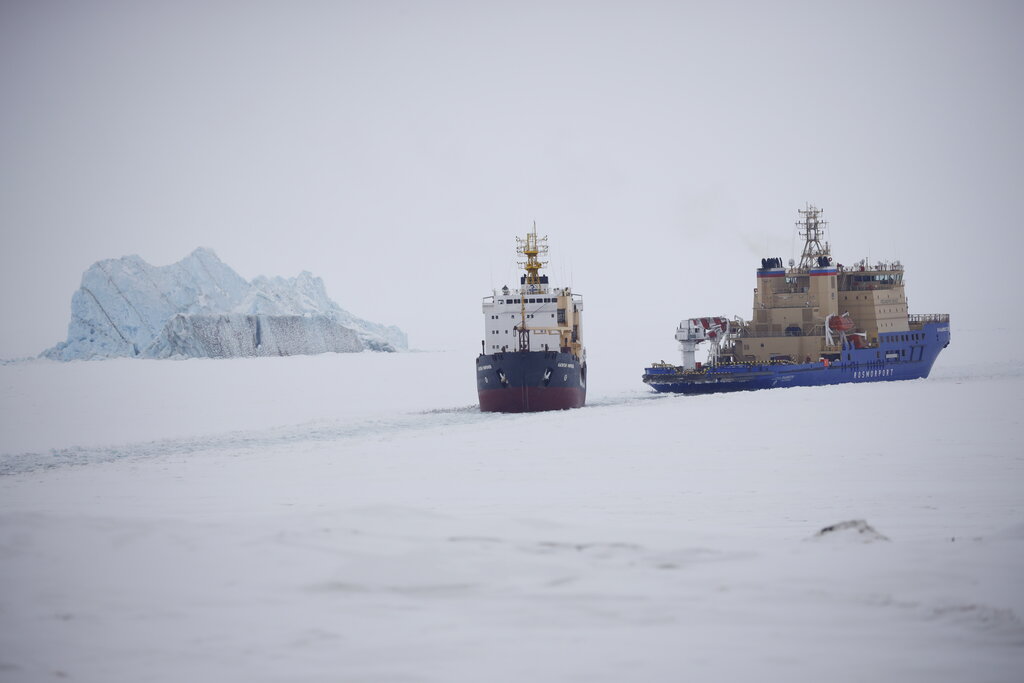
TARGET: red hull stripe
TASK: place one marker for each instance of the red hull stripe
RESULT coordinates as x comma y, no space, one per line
531,399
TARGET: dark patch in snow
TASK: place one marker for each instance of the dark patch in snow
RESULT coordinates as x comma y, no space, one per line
864,531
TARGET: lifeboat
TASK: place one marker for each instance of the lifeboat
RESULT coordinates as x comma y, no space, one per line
840,323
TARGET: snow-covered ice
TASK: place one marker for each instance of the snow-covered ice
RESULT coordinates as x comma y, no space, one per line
352,517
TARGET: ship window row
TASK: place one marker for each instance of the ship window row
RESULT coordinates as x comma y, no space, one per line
887,279
878,355
540,300
904,337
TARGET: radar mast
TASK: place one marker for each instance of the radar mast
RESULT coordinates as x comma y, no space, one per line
812,229
531,247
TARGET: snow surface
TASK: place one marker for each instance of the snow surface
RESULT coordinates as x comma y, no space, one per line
200,307
353,517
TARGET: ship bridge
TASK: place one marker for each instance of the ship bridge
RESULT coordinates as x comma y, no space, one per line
792,306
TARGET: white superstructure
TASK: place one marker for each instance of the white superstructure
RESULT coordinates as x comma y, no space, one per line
549,314
536,316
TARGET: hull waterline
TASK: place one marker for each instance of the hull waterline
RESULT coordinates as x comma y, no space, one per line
530,381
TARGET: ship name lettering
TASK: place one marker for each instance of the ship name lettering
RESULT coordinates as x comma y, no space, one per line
483,367
884,372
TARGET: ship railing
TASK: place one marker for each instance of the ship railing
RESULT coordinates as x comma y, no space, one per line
816,331
923,318
749,365
791,299
859,267
788,300
534,290
870,286
863,266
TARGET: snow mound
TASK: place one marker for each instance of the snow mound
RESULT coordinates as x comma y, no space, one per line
200,307
855,529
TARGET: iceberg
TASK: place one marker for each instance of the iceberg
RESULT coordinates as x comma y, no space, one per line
200,307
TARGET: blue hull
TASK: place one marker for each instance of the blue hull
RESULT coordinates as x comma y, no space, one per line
892,359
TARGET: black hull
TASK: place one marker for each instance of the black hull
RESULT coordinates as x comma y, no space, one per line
530,381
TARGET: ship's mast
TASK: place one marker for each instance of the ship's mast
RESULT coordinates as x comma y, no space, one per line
531,247
812,228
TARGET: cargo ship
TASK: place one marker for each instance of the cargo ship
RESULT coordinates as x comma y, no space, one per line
813,323
532,357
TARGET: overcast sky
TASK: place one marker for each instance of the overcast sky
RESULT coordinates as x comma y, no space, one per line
395,149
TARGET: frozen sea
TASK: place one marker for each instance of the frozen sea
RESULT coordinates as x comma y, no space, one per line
353,517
